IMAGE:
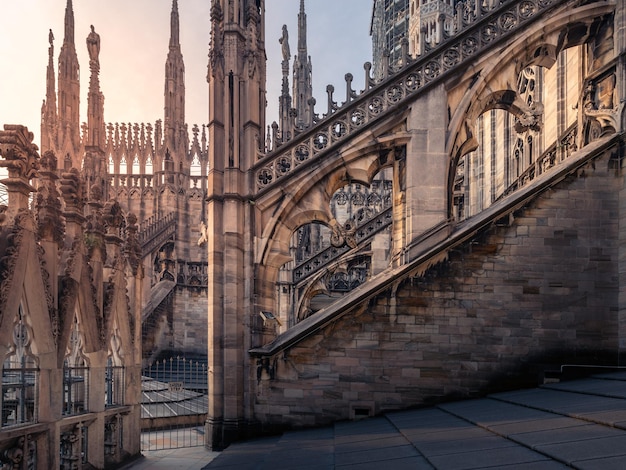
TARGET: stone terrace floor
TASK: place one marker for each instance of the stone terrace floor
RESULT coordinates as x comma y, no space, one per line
577,424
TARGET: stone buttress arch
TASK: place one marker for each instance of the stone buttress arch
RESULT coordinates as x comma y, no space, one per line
494,86
309,201
316,285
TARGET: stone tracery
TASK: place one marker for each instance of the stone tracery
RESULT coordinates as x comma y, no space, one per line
316,246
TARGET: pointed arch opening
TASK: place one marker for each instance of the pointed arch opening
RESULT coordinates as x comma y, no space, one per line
195,171
149,166
136,168
123,166
330,259
520,134
75,373
111,165
20,376
115,373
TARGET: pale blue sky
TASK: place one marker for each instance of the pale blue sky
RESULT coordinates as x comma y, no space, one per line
134,43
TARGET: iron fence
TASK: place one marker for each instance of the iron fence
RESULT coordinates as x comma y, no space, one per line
174,404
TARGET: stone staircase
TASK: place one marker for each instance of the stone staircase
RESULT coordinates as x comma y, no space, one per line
155,231
576,424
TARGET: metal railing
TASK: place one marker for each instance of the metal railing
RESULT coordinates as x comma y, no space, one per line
174,403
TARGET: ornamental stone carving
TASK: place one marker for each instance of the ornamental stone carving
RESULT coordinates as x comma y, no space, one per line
341,122
19,154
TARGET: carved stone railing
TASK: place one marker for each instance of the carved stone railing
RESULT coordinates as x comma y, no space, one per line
555,154
332,253
361,111
156,231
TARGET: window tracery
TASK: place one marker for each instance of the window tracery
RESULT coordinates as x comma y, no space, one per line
360,217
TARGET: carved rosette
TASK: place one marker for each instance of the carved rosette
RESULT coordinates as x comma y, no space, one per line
529,118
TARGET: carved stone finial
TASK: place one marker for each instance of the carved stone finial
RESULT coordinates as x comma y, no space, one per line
49,161
20,158
113,217
72,190
19,153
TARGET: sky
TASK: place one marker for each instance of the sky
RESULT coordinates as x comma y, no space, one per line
134,43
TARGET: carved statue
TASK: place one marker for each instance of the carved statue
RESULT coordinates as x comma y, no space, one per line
204,236
93,46
284,41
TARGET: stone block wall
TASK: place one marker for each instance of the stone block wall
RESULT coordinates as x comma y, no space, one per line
511,303
189,329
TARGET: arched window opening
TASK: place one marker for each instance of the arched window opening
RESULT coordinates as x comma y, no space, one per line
136,169
114,374
330,260
20,377
149,167
75,374
195,171
111,165
123,166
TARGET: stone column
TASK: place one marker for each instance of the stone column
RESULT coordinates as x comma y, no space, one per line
425,196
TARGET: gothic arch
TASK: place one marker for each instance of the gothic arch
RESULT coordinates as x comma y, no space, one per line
25,276
494,86
314,190
117,318
363,201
